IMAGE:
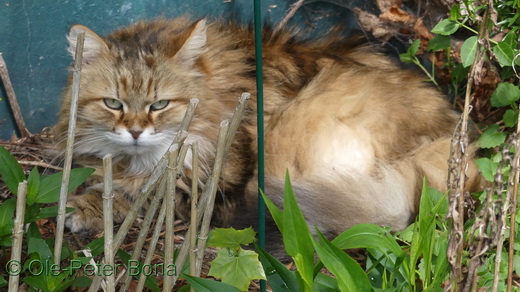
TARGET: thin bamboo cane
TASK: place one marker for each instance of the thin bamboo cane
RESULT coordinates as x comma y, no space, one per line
194,199
60,225
108,221
211,191
16,251
170,217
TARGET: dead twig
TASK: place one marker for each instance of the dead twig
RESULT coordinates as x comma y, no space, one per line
11,97
290,13
108,221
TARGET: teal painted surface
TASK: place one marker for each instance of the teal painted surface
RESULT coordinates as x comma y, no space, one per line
32,39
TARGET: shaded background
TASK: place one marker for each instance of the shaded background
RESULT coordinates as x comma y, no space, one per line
33,43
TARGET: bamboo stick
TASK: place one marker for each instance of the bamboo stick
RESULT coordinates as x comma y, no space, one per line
11,97
170,217
16,251
108,221
193,221
211,191
514,205
60,225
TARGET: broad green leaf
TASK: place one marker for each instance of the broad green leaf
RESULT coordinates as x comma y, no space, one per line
505,94
97,246
349,273
206,285
446,27
231,238
368,236
50,186
238,269
38,282
504,53
491,137
487,167
278,276
82,282
510,117
296,234
409,56
439,42
325,283
10,171
432,202
40,247
7,209
33,185
468,51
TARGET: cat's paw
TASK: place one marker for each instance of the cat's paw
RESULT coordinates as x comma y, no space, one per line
86,217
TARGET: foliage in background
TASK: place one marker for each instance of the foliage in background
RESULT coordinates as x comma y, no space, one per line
40,190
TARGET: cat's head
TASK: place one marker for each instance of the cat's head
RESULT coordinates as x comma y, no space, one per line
135,87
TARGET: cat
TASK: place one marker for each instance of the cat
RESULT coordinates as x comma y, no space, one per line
356,132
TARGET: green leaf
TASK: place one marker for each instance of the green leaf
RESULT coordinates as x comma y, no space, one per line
409,56
10,171
468,51
97,246
40,247
491,137
504,53
33,184
231,238
368,236
38,282
348,272
276,213
446,27
439,42
487,167
206,285
278,276
296,235
505,94
81,282
237,268
325,283
7,209
510,117
50,186
3,282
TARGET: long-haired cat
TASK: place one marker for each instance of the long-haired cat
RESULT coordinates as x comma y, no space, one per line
355,131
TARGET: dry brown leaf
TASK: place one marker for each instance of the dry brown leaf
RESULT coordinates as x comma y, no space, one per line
396,14
421,30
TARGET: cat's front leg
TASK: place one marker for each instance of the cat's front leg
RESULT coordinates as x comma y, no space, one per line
88,210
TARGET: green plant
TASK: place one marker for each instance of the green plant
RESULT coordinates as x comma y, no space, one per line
37,269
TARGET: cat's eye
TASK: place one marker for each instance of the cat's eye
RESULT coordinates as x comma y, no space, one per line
159,105
112,103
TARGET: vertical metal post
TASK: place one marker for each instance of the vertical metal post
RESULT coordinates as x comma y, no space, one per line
260,125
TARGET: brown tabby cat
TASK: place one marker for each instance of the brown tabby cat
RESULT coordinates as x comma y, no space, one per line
356,132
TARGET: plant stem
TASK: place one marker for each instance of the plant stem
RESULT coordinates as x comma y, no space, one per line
432,79
170,213
71,133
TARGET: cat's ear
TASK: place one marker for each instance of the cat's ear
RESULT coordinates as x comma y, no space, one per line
93,47
194,46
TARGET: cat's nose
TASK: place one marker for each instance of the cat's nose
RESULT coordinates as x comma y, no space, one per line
136,134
